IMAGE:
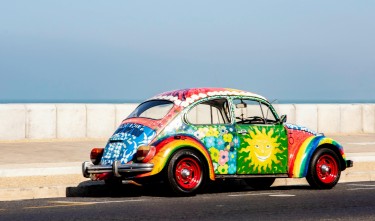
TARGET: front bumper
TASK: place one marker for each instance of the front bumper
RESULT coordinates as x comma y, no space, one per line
116,168
349,163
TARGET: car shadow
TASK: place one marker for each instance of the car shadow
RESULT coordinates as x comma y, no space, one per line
100,189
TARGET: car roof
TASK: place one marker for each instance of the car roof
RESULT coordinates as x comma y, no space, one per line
184,97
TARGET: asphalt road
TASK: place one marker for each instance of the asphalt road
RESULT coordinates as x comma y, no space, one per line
223,201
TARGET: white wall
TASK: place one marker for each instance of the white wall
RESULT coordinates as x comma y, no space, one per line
40,121
71,120
101,120
66,121
12,122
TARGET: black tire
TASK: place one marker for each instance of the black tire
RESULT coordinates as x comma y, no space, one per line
324,169
113,182
261,183
186,172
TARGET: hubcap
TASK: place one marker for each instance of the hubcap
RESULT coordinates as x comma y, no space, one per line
188,173
327,169
324,169
185,173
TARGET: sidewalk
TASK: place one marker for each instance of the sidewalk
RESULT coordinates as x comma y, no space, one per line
39,169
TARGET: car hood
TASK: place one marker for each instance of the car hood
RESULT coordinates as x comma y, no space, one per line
125,141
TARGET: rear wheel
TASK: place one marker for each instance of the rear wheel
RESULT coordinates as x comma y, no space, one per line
113,182
186,172
324,169
260,183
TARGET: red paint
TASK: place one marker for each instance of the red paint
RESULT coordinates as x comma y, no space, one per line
295,140
330,163
188,173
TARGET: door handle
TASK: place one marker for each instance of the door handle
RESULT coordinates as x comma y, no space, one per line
243,132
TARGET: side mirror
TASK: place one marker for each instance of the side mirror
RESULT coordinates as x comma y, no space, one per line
241,105
283,118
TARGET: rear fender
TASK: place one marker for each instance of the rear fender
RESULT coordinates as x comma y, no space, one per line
168,146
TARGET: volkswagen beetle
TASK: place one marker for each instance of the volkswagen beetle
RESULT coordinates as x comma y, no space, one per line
186,137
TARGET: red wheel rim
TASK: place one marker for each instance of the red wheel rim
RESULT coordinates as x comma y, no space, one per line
327,169
188,173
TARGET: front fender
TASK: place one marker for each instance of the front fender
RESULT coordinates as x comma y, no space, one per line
306,151
168,146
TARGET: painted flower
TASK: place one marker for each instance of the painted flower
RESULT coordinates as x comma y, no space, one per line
147,139
227,146
232,156
212,132
220,144
228,137
190,130
235,142
223,157
199,134
223,130
223,169
214,153
209,141
232,168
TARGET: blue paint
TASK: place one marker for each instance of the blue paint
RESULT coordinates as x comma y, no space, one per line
125,141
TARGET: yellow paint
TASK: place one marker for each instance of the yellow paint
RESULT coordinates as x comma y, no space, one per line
300,156
161,158
262,149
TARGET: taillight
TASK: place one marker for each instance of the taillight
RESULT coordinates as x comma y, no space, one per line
96,155
145,153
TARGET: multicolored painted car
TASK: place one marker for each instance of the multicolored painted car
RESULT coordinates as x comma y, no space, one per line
187,137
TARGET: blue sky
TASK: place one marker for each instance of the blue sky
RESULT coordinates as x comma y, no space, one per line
131,50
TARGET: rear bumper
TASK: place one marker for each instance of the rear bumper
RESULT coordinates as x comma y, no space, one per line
117,169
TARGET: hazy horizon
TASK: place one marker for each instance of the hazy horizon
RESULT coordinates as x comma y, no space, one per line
132,50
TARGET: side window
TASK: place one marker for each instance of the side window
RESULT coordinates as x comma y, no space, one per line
210,112
268,114
253,112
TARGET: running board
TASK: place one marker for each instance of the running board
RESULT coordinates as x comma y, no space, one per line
241,176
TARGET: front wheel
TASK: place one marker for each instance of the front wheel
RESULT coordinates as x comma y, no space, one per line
324,169
186,172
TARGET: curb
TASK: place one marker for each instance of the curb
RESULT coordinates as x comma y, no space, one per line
43,169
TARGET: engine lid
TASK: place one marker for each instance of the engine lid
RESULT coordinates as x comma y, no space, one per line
125,141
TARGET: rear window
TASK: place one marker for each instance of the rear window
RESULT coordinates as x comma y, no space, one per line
154,109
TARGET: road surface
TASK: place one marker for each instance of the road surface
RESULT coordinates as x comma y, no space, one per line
230,200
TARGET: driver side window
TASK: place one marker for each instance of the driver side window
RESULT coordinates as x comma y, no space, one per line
252,112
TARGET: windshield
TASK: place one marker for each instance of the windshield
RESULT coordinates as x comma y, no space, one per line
154,109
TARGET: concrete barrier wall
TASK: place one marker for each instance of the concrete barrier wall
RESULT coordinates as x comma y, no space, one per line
75,121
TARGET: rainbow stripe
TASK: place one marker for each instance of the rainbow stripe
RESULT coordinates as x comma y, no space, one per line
307,149
168,146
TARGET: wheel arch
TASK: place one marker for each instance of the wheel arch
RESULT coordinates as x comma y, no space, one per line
166,148
309,148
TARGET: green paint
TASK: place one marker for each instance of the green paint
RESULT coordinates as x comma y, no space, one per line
263,149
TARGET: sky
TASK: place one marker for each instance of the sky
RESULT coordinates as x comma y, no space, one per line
131,50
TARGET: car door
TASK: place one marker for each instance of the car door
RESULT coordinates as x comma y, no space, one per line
263,146
211,123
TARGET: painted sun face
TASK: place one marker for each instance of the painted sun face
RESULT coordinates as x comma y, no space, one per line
262,149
